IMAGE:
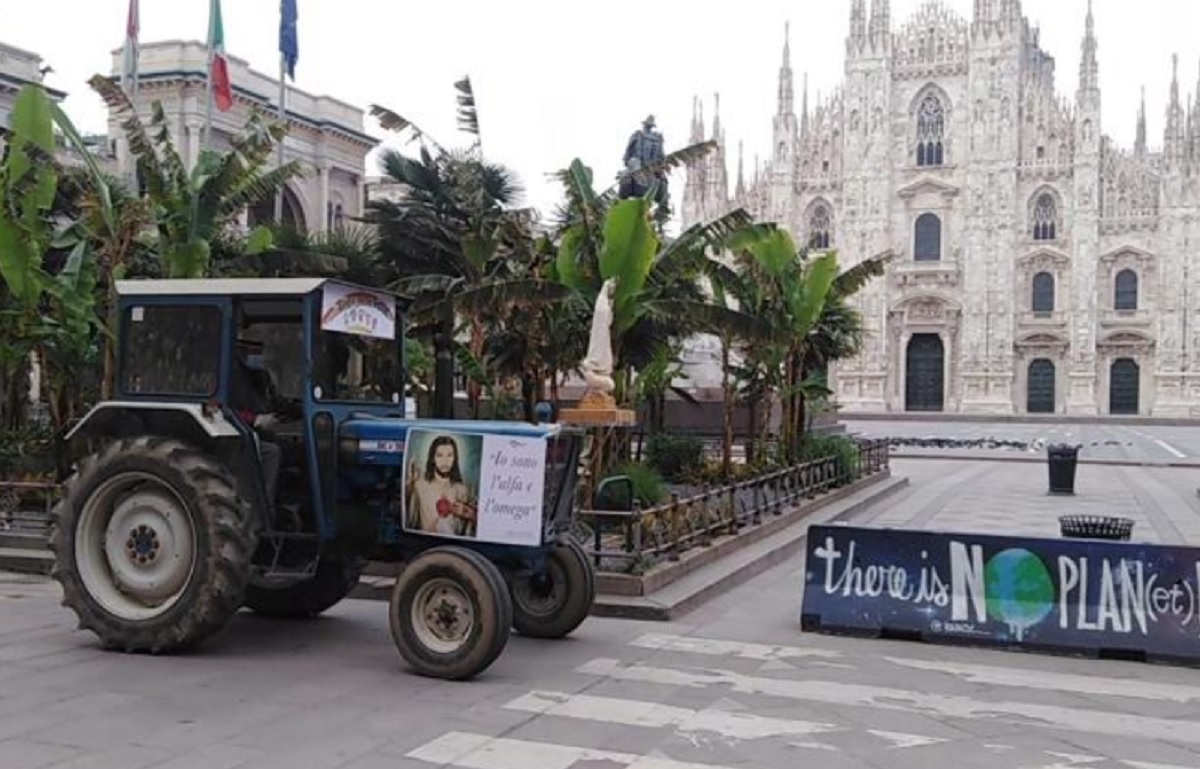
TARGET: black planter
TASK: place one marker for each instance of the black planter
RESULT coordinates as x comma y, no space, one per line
1096,527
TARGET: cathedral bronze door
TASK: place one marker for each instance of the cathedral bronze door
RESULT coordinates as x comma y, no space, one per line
1124,382
925,374
1040,397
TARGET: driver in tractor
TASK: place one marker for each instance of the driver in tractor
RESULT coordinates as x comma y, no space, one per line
257,403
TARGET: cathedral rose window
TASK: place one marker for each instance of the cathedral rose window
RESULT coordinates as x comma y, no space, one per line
931,131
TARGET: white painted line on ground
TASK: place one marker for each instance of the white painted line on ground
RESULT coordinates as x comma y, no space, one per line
612,710
1074,759
478,751
1170,449
923,703
1145,765
986,674
1061,682
749,651
902,740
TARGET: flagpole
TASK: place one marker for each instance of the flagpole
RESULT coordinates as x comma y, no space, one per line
208,103
282,119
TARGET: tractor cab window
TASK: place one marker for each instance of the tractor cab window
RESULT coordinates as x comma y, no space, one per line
171,350
278,324
348,367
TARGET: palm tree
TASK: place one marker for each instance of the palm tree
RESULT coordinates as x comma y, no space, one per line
451,241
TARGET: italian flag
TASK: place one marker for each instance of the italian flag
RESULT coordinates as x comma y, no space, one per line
218,65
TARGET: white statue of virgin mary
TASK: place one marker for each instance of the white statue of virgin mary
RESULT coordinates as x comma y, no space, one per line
598,365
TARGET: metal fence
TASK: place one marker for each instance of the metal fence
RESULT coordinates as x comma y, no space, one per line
630,540
26,505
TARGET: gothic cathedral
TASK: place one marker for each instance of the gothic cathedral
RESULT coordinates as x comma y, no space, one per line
1035,266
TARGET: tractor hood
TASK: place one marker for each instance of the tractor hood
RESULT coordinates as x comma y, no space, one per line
382,441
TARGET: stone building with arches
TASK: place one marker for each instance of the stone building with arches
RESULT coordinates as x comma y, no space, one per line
1036,266
325,135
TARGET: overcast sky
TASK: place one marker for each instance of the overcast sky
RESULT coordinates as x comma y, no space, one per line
558,80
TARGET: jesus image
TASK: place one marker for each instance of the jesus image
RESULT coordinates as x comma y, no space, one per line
439,500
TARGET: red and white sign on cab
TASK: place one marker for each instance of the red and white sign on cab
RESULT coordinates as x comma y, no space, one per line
353,310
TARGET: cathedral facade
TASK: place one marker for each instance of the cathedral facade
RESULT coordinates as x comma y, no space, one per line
1035,266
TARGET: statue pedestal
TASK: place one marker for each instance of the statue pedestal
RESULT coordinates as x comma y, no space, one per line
598,410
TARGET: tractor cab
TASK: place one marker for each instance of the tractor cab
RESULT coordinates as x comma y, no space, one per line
290,359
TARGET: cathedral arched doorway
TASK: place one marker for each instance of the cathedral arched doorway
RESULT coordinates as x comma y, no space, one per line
1041,387
1124,385
925,374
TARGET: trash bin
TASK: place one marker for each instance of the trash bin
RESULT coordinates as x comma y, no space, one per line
1096,527
1062,460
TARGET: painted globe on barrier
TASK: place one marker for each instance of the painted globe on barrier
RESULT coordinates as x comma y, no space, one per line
1020,590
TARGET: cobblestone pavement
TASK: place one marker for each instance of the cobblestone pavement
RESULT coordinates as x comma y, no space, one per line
734,684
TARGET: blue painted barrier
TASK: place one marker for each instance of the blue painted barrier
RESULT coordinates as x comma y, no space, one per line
1096,598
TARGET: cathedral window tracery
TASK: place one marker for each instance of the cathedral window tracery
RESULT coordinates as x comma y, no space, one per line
820,227
1043,292
1125,290
931,131
927,238
1045,217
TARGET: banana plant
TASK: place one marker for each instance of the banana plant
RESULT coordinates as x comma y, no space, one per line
791,290
191,207
28,185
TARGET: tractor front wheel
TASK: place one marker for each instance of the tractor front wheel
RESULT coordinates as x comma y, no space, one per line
152,545
553,603
450,613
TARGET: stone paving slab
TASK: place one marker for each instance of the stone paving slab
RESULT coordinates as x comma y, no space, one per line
1012,499
735,683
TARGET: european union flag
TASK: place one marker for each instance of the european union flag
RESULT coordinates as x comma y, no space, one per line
289,43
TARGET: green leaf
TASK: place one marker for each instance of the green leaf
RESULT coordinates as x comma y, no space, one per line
809,301
629,248
567,263
775,252
188,260
261,239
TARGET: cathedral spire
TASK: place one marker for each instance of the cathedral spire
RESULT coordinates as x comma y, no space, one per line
1173,140
1089,69
881,21
740,190
697,134
858,22
1140,144
804,108
787,92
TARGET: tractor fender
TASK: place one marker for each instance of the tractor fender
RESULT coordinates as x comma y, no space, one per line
188,422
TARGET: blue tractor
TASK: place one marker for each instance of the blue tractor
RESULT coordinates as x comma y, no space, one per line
258,452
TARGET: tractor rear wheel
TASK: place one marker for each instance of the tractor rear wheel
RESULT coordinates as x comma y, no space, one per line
552,604
335,578
450,613
152,545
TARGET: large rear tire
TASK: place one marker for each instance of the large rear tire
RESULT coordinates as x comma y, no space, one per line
152,545
555,603
450,613
335,578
